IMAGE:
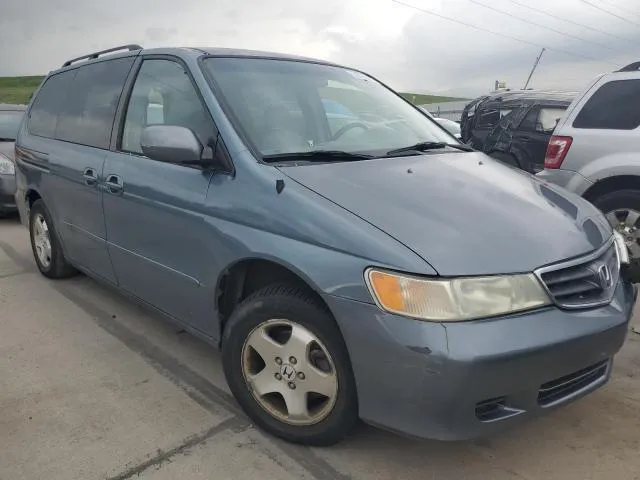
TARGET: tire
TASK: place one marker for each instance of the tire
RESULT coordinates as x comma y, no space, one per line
290,304
56,266
623,200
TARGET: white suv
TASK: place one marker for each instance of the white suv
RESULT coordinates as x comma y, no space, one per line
595,150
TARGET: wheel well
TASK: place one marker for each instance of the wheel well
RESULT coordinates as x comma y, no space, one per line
621,182
31,197
249,276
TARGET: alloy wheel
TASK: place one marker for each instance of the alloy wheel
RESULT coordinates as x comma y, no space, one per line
290,372
625,222
42,240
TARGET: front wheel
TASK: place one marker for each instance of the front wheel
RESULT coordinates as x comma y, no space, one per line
288,367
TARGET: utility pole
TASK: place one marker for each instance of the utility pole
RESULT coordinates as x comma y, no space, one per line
534,68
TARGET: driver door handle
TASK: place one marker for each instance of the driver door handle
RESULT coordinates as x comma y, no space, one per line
114,184
90,176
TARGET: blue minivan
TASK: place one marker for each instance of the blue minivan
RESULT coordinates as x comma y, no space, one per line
365,265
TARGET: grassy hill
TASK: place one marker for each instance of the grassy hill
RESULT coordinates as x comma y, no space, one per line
423,99
18,90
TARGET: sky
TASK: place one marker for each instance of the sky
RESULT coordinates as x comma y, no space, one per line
403,46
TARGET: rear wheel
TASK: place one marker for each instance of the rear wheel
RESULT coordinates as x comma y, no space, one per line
46,245
287,365
622,210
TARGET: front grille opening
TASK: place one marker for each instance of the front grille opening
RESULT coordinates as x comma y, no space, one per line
555,390
583,285
491,409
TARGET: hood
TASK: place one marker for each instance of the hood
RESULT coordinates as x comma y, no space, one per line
7,149
463,213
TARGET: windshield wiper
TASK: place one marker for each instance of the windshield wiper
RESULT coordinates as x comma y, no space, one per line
318,156
424,146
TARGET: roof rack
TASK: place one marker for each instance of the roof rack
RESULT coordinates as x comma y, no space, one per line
92,56
632,67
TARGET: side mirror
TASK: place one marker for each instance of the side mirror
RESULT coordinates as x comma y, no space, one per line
171,144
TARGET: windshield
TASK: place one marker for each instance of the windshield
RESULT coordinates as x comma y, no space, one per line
285,106
9,124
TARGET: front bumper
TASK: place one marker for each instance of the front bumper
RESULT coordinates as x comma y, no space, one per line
572,181
462,380
7,193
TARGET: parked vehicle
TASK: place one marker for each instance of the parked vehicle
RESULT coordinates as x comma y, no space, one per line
595,151
514,126
10,118
335,270
452,127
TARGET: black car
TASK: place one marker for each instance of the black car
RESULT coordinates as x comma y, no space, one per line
10,118
514,126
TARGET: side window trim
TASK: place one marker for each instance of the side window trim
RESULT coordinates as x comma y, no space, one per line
121,112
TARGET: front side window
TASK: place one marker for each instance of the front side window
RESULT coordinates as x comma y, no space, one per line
9,124
89,111
615,106
285,106
164,95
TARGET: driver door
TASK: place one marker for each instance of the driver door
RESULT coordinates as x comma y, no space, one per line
154,211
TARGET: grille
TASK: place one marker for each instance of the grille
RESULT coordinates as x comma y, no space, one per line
585,282
562,387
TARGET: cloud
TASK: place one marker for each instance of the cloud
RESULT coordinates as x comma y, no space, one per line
405,48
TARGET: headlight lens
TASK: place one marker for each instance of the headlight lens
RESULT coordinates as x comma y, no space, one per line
457,299
6,166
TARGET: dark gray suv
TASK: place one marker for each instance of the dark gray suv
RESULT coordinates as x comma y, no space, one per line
360,264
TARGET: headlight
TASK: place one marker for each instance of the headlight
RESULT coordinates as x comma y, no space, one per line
457,299
6,166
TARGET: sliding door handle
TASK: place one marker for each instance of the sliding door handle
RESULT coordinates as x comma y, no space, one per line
114,184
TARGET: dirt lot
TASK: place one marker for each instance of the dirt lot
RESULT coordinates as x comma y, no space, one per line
94,387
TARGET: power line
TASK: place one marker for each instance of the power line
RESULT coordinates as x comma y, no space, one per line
582,25
619,8
597,7
503,35
559,32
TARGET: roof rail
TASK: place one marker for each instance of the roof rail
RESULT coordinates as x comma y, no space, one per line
95,55
632,67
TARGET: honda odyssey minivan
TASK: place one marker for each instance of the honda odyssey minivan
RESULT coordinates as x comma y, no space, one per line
372,267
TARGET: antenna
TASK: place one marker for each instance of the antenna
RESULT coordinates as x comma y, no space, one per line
535,65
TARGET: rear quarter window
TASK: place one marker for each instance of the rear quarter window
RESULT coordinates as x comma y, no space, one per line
43,116
88,115
614,106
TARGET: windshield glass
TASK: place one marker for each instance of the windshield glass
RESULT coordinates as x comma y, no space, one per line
9,123
285,106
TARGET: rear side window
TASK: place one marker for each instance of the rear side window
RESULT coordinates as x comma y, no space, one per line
43,115
542,119
88,114
615,106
